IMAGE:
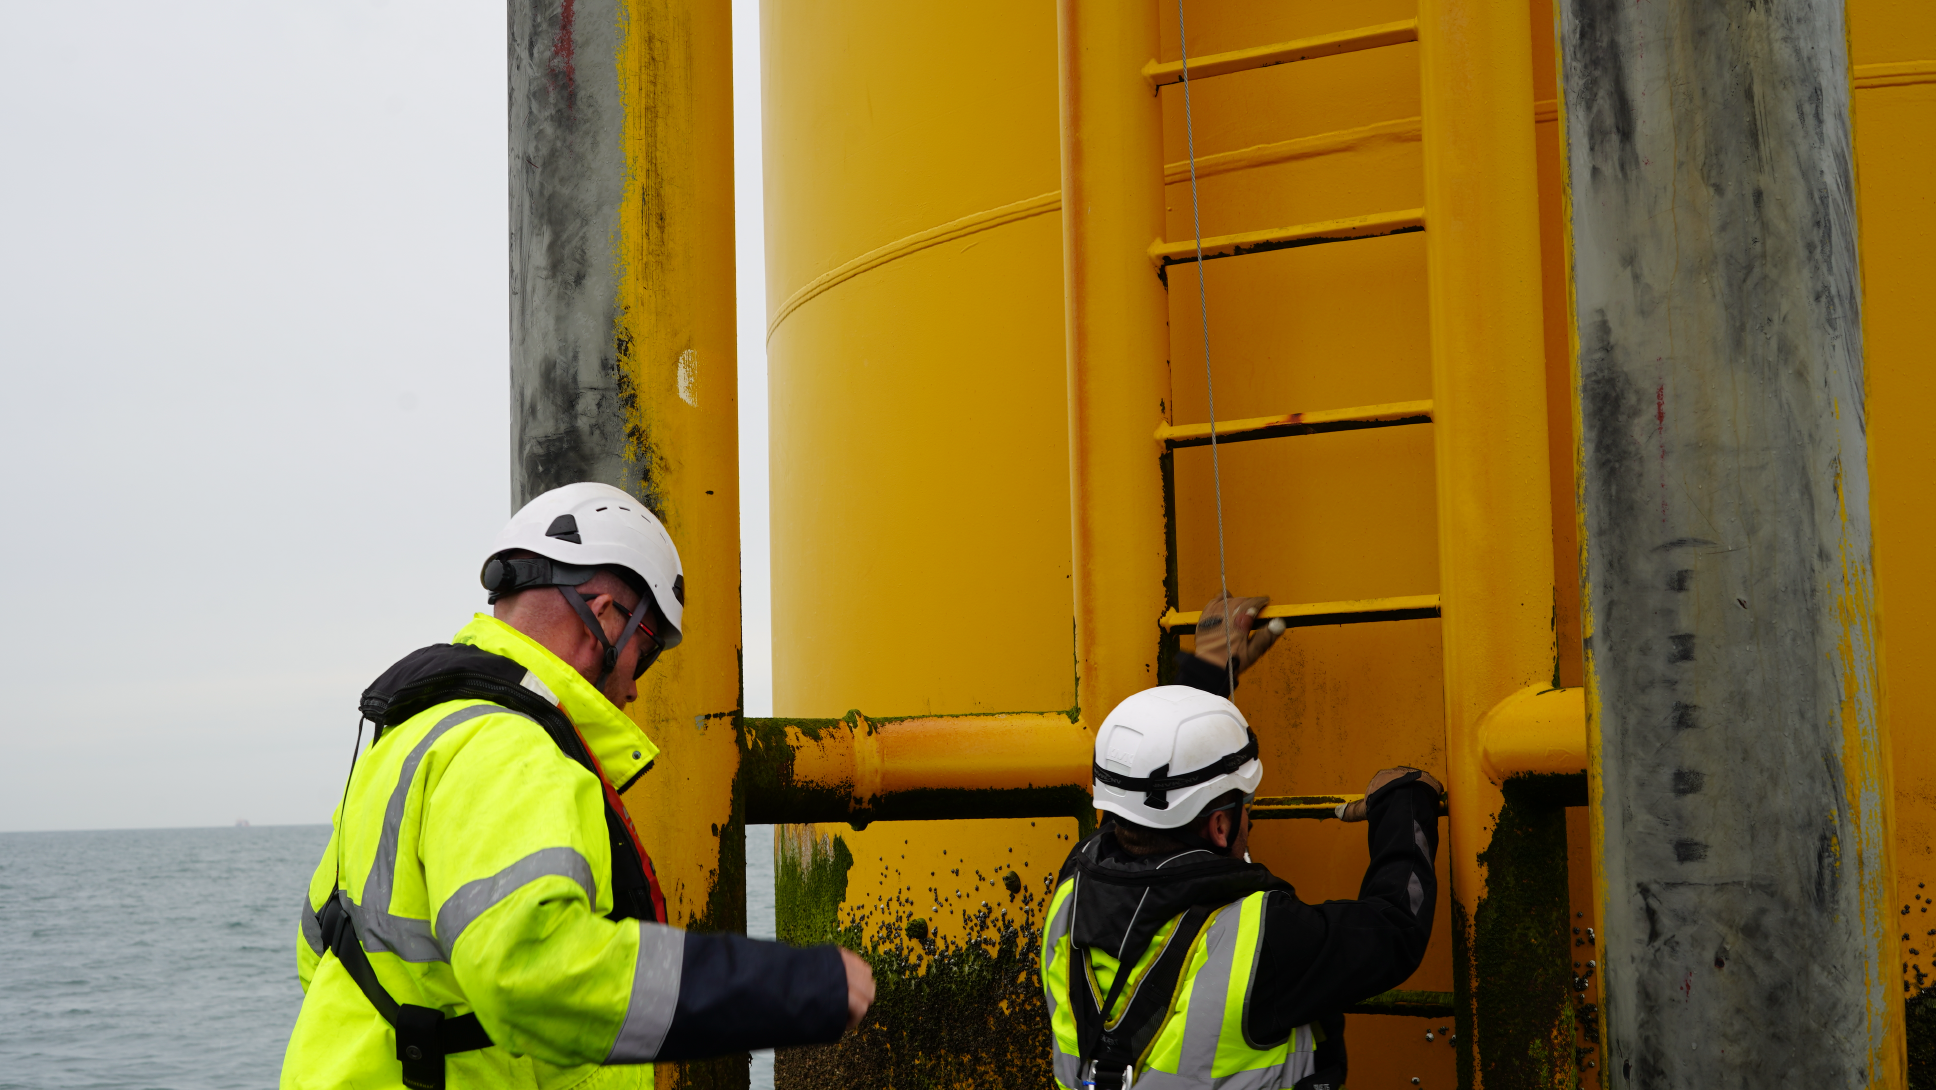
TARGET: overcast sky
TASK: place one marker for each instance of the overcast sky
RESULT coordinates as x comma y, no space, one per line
255,429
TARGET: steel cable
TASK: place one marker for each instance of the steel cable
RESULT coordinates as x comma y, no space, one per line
1203,311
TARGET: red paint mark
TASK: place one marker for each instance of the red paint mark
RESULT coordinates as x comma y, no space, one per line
564,47
1687,986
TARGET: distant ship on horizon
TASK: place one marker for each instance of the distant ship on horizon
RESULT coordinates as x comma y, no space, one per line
241,823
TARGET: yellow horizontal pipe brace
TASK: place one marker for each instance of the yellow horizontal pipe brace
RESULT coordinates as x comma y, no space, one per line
1271,427
975,752
1533,731
1303,49
1307,807
1280,238
1023,764
1361,611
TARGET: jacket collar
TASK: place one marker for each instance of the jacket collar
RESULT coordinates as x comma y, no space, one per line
621,747
1122,900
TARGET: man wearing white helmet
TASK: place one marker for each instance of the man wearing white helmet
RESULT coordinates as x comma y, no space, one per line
1170,960
485,914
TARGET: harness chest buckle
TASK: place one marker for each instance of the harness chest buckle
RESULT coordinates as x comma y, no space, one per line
420,1046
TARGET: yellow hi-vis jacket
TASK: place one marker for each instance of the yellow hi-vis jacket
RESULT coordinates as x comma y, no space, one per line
1200,1042
476,856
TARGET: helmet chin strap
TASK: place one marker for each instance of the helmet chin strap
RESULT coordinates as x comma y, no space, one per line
597,630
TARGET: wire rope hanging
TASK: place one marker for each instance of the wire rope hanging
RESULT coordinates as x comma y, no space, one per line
1203,312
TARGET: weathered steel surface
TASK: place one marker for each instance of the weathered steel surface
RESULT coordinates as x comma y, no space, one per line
568,418
622,371
1739,777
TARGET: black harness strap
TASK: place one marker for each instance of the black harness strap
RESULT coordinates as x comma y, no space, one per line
1113,1048
424,1035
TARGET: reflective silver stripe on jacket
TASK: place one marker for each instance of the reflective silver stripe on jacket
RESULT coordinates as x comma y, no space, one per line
1067,1067
473,899
1203,1022
655,994
411,940
312,931
1300,1055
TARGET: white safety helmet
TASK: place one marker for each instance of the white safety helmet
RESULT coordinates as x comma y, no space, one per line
1165,753
583,527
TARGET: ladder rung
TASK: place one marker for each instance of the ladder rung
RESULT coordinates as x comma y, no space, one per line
1414,1004
1272,427
1302,49
1364,610
1308,807
1283,238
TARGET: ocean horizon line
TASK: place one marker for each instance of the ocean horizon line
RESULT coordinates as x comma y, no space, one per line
169,828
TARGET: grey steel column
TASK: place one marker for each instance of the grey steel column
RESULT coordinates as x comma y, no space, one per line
1740,772
567,186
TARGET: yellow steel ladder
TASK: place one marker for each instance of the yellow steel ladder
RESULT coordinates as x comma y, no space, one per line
1488,405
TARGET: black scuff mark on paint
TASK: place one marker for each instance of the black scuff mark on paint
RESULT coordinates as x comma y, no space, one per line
1682,647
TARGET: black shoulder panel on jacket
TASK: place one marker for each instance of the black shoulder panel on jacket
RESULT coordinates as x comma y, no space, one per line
448,671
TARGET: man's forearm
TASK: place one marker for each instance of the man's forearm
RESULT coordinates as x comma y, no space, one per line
1201,674
738,994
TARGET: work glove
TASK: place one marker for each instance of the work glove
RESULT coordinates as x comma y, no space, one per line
1355,809
1234,644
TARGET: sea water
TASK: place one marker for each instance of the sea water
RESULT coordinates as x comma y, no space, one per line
157,959
165,959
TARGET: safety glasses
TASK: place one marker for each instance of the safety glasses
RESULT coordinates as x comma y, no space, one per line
650,655
1242,804
635,619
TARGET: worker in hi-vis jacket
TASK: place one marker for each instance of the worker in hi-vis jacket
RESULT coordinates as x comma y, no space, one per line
1172,961
485,914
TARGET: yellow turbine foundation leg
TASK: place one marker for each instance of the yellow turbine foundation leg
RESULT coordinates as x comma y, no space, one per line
1495,519
1117,335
